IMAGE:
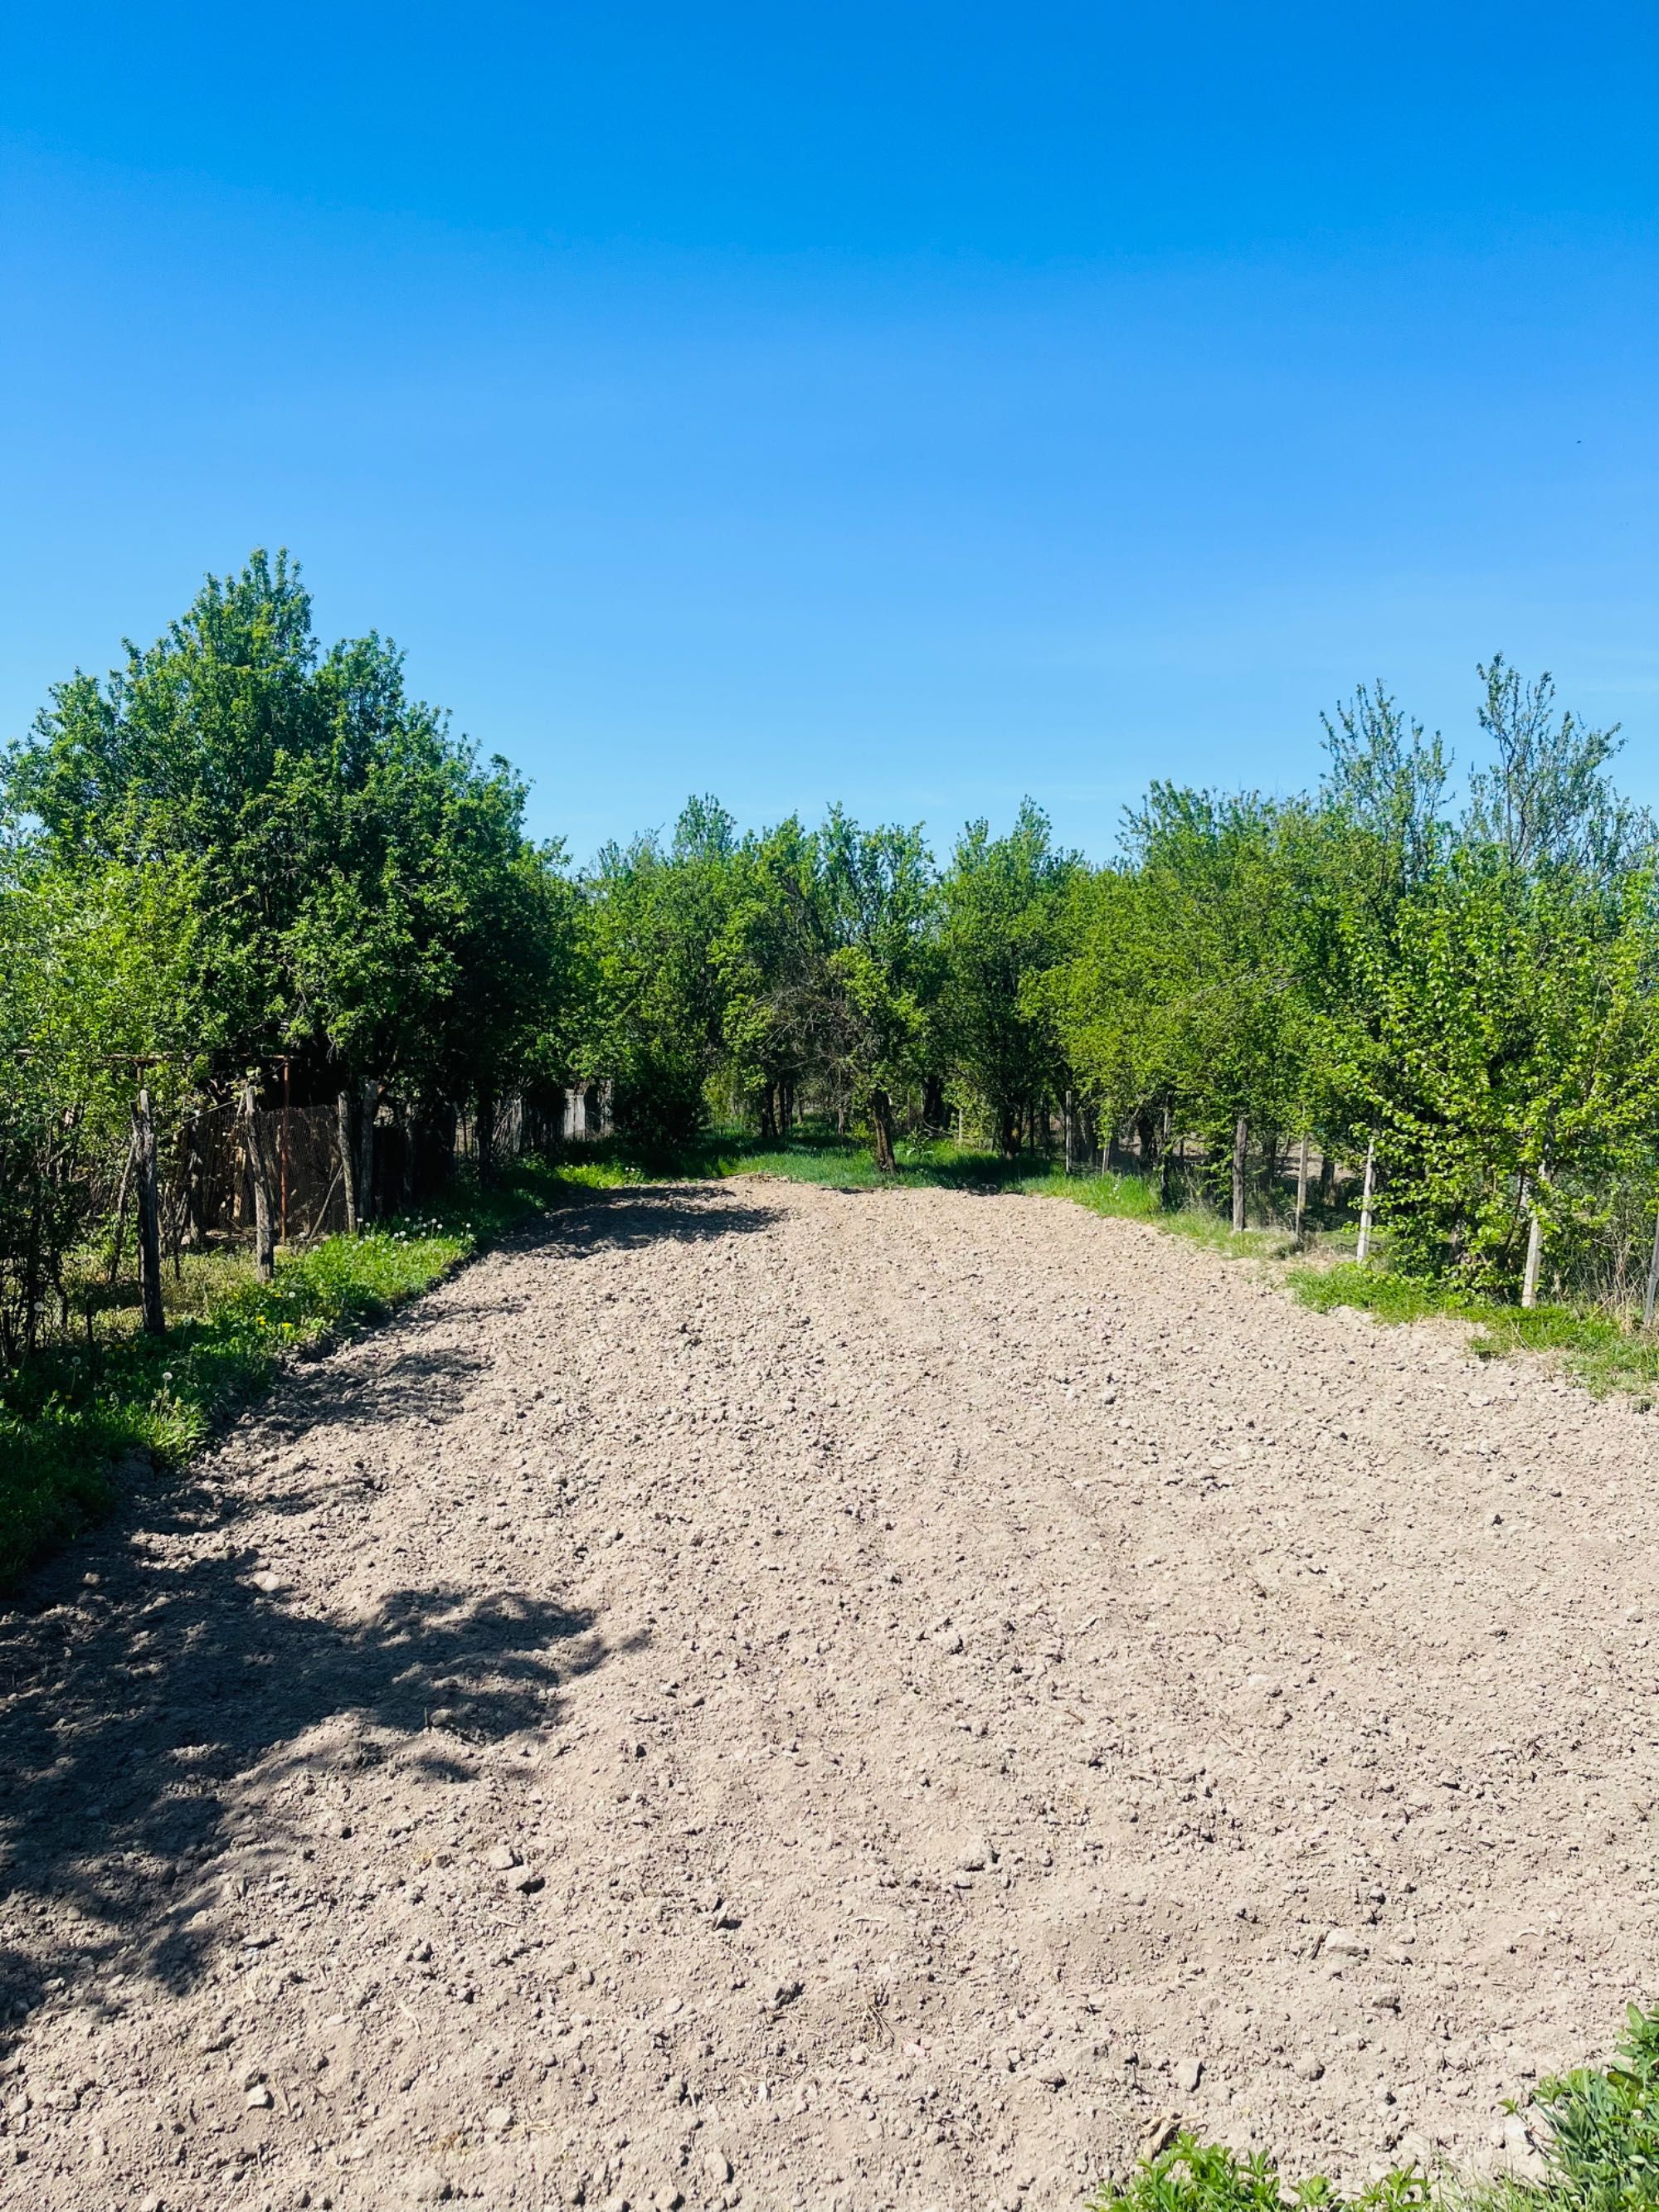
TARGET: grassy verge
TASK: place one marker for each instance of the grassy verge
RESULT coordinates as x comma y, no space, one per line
74,1411
1596,2132
1594,1348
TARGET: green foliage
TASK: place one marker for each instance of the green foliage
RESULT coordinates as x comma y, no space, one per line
97,958
1598,1350
1191,2176
1601,2128
1001,901
242,844
238,846
656,1021
1189,994
877,889
1516,1053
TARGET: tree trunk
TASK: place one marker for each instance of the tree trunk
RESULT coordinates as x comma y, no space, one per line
881,1123
1071,1141
348,1166
1241,1147
1008,1131
149,1218
371,1107
258,1165
1302,1193
932,1103
769,1124
1363,1249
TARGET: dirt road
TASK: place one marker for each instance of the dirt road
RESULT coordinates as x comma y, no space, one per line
757,1694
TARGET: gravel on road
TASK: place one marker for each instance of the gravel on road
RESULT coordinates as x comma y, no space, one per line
760,1694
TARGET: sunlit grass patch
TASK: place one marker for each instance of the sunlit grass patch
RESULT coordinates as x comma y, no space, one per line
1597,1349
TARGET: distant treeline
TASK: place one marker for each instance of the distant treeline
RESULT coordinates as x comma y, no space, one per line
241,852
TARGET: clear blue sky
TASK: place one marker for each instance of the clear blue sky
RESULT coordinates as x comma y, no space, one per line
910,404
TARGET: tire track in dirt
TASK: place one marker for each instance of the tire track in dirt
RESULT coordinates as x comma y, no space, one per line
762,1694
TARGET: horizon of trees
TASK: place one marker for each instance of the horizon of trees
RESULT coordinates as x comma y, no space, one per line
242,848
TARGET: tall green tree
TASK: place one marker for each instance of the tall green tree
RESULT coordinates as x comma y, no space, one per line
656,918
882,971
1000,903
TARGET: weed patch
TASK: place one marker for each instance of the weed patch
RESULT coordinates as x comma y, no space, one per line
1597,2129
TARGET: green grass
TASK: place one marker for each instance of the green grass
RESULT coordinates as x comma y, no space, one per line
1594,1349
75,1410
1597,2129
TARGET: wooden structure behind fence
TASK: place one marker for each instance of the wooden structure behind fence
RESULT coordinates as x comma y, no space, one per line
207,1185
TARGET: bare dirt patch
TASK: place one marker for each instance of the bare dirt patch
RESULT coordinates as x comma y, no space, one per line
762,1694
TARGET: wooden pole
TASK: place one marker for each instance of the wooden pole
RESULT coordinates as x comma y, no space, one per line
1070,1148
1240,1149
149,1218
1653,1280
1362,1250
1302,1193
347,1171
283,1200
1535,1243
121,1212
366,1152
264,1265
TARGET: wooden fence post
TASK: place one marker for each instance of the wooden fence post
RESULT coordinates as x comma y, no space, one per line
282,1215
366,1152
1302,1193
348,1168
1652,1292
1362,1250
264,1265
1241,1150
149,1218
1534,1239
1071,1142
120,1229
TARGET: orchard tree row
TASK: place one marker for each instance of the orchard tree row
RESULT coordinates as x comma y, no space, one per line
242,853
1454,1008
